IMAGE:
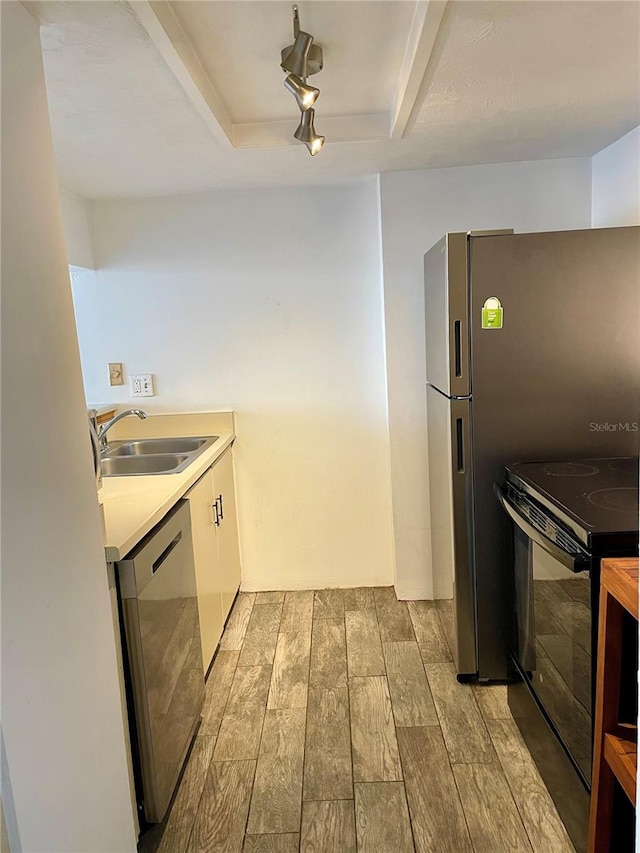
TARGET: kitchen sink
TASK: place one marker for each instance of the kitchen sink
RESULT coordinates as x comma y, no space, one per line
142,447
124,466
153,455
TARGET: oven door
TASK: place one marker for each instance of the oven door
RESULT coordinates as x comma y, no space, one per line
551,638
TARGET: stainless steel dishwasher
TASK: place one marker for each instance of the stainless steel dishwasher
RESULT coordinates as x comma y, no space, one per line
165,679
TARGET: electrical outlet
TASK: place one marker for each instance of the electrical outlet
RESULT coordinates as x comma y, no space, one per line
141,385
116,375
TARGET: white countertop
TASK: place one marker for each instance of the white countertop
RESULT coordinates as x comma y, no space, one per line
134,505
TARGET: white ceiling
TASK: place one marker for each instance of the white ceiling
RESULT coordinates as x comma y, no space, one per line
154,98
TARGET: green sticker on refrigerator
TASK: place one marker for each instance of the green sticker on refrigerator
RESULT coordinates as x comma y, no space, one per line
492,313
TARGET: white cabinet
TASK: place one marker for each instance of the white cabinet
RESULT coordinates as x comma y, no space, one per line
215,548
208,574
228,550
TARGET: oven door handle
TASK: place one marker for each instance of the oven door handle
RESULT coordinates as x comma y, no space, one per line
574,562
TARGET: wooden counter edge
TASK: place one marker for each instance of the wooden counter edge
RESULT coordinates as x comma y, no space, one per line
618,592
620,578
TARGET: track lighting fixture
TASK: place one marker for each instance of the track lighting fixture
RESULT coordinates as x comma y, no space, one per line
306,132
301,59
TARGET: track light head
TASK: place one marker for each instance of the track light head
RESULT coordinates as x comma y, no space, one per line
302,58
305,132
305,95
296,60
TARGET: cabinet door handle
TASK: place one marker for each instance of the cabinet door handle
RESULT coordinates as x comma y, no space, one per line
214,507
219,498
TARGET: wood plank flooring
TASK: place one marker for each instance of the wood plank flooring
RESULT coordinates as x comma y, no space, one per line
333,723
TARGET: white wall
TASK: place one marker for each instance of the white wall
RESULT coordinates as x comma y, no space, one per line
77,230
616,183
417,208
64,773
269,303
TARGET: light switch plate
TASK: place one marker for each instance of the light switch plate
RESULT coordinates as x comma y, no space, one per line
141,385
116,374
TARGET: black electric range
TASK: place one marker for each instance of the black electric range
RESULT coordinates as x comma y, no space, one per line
564,517
597,499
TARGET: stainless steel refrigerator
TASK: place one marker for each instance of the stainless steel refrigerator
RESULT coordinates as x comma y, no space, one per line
533,353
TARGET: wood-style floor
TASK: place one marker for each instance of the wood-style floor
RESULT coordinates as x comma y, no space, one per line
333,723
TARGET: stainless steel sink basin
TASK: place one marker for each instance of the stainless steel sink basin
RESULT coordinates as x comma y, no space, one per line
126,466
144,446
153,455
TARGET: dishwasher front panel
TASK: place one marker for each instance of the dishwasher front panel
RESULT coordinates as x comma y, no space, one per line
160,615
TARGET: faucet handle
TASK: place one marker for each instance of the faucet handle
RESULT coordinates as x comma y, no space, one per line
105,427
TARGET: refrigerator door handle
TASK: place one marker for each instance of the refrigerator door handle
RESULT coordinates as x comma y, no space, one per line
460,445
457,339
574,562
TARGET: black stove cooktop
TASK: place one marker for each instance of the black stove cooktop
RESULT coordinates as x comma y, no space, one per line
596,498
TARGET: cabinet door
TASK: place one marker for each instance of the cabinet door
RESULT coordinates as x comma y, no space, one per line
208,574
228,530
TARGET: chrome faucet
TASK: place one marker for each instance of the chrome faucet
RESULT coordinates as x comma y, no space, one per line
103,429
